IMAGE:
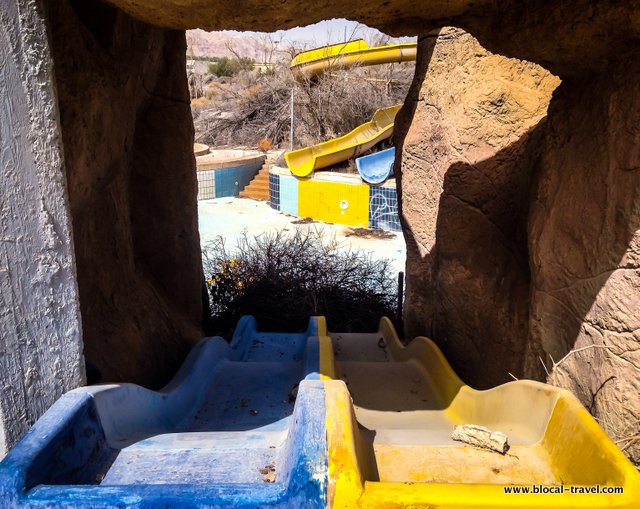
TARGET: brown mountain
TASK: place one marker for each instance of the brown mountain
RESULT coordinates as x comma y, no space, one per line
225,44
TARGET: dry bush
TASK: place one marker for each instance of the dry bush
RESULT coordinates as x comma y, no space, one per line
199,102
252,107
198,105
210,92
257,105
337,102
283,280
265,144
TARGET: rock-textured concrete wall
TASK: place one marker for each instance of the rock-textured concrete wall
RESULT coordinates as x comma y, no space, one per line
128,144
523,232
501,277
466,165
584,240
40,331
568,38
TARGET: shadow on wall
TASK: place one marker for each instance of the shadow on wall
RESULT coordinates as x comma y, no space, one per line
523,257
480,272
584,239
465,222
128,147
473,282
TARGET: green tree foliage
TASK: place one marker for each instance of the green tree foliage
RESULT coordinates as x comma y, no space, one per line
231,66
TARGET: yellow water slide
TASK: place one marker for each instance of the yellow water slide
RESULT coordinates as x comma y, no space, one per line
303,161
350,54
391,410
346,55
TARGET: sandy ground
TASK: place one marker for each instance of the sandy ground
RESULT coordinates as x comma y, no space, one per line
229,217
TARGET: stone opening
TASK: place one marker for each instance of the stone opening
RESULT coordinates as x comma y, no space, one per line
566,249
244,95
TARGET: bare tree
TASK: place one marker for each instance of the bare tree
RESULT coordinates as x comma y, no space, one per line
254,106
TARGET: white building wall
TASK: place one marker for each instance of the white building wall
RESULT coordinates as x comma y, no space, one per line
40,327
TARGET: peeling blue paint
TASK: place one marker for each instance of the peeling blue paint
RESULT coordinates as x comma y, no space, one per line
233,416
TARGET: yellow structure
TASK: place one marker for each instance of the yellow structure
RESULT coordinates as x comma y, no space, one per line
303,161
350,54
390,414
334,202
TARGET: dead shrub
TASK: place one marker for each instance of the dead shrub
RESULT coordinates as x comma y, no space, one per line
210,92
283,279
200,101
198,105
257,106
265,144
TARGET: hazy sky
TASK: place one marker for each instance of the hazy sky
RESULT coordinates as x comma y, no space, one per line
327,32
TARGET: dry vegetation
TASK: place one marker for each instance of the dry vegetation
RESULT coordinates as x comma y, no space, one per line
253,107
282,280
279,279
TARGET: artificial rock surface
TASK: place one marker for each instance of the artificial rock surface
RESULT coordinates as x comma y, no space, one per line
40,326
584,243
466,165
568,38
128,146
500,216
539,217
522,231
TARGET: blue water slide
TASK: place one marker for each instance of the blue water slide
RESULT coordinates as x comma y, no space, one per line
377,167
240,425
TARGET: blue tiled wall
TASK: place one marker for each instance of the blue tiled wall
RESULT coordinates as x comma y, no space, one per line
383,208
230,181
289,195
274,191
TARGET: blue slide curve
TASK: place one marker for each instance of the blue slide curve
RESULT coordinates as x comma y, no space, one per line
376,168
240,425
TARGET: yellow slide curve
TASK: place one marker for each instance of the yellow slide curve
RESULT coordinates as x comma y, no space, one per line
390,413
303,161
350,54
